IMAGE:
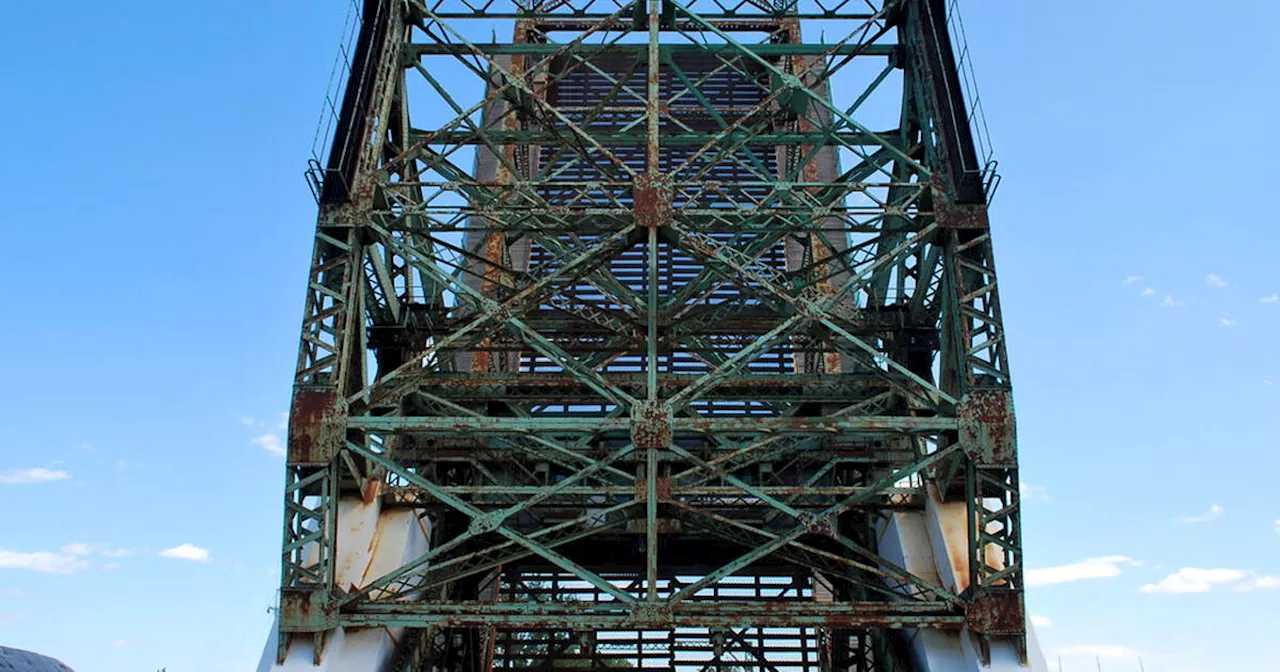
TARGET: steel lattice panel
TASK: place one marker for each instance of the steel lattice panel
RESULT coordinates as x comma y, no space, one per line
655,311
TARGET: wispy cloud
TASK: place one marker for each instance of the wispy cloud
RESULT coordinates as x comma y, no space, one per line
1041,621
1264,582
122,643
1270,299
270,442
32,475
1149,291
1091,568
77,549
186,552
1225,321
1194,580
252,421
1215,512
1033,492
69,560
1278,526
1198,580
1100,651
1170,302
1214,280
1133,279
121,552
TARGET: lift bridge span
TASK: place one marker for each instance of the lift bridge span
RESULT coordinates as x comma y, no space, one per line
655,334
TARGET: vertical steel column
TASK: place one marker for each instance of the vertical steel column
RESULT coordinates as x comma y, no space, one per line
974,360
331,360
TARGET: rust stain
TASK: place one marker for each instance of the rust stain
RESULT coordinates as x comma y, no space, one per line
951,215
952,521
651,425
371,552
987,427
664,488
996,613
372,487
316,425
651,201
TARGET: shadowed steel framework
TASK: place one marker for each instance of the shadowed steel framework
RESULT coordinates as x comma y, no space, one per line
655,313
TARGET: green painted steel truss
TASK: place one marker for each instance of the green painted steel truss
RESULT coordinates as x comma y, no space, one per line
655,313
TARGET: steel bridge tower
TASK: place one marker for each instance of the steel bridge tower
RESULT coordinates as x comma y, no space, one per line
652,333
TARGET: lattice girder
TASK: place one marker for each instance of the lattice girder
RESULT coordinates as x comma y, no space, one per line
655,297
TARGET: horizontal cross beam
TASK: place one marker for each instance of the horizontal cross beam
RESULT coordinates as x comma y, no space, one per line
414,51
894,424
691,614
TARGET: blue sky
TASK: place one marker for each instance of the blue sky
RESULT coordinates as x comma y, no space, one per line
157,231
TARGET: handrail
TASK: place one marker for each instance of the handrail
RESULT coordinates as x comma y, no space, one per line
322,140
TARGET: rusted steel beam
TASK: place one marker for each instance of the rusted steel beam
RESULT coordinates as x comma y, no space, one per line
404,492
416,50
602,617
393,424
555,381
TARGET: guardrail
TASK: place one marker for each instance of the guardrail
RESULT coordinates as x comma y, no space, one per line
322,140
977,116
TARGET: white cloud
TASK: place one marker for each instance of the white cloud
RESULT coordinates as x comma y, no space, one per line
122,643
251,421
1041,621
270,442
32,475
47,562
121,552
1215,512
70,558
1270,299
1091,568
1194,580
1197,580
76,549
1213,280
1100,651
1149,292
1278,526
1030,491
1170,302
1264,582
186,552
1225,321
1132,279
